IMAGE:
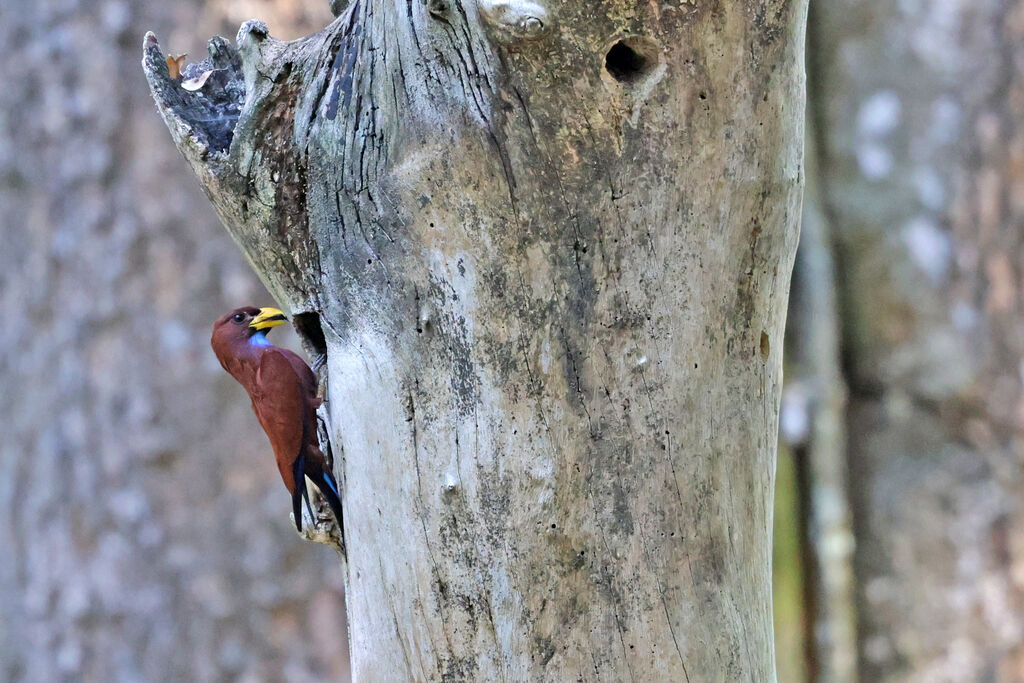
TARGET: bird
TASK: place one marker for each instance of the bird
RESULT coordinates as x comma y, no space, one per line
283,390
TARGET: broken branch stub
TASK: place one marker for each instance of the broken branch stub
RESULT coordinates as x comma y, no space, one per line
230,116
202,123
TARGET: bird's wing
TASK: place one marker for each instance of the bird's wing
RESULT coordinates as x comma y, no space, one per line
305,373
280,403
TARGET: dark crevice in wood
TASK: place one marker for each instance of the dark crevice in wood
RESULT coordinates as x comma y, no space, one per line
311,331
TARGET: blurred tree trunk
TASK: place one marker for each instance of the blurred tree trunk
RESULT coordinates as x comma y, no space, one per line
143,525
812,424
547,255
920,117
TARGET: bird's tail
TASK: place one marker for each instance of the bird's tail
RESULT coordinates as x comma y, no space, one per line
324,481
299,492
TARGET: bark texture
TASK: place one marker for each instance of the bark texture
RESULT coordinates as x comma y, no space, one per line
143,525
546,250
919,113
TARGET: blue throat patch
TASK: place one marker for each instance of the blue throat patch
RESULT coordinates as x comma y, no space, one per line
260,339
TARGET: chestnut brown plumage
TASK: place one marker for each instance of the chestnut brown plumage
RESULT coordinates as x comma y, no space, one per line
283,392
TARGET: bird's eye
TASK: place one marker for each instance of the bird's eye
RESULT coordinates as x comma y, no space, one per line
238,317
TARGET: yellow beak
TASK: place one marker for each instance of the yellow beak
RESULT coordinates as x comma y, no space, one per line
267,318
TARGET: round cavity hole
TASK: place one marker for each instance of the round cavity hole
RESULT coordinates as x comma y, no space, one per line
630,59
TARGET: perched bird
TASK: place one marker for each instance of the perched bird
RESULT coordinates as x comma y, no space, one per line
283,392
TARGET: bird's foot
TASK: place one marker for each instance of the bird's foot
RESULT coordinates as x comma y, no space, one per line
319,361
322,528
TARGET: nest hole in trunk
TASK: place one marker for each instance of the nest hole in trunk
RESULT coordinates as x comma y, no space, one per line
311,332
631,59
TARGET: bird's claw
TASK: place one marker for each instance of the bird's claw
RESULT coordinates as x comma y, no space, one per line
319,362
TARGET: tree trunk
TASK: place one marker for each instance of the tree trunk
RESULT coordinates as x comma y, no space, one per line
546,251
922,141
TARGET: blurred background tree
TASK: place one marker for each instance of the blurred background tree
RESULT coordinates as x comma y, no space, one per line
142,547
908,297
144,524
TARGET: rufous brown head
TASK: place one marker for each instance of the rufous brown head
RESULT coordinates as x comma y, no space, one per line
243,327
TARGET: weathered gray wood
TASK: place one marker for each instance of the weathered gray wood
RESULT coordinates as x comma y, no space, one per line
548,249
